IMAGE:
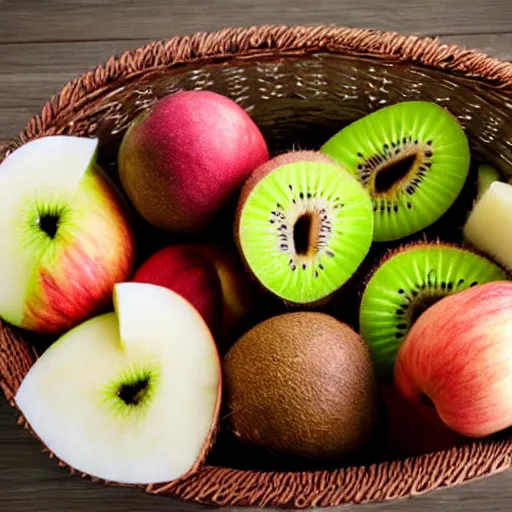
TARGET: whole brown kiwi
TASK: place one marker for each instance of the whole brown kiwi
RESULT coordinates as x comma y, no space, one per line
302,384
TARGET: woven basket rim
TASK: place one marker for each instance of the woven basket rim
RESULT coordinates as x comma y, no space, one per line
230,487
261,41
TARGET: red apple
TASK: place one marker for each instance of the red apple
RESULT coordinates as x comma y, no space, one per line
210,277
459,354
183,161
238,290
415,428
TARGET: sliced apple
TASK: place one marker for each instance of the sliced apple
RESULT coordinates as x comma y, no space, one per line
131,396
490,223
65,237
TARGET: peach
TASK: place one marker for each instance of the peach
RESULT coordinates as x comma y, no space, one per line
185,159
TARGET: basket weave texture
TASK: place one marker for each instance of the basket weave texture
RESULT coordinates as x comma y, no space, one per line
290,79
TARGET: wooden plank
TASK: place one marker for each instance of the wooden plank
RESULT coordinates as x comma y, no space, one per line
29,480
86,20
32,73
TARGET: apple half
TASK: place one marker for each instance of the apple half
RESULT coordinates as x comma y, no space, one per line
131,396
65,237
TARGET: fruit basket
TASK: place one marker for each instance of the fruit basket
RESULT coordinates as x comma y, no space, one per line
299,84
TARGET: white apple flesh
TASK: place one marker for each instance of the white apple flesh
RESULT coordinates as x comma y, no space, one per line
65,239
490,223
131,396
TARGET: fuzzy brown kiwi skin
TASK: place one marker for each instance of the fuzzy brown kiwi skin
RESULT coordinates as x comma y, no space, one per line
257,175
418,244
375,259
289,335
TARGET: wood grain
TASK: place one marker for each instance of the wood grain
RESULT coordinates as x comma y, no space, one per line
86,20
45,44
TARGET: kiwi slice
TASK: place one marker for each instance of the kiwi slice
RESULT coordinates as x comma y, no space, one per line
412,157
303,227
405,283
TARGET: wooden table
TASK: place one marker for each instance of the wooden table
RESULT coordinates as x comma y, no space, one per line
45,44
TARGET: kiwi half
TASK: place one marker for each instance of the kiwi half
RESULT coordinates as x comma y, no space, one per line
405,283
303,226
412,157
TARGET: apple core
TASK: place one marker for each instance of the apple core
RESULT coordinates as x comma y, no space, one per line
133,393
48,223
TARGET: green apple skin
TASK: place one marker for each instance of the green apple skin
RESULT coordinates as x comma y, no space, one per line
72,396
49,284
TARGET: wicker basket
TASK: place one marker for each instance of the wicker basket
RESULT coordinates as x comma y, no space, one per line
295,82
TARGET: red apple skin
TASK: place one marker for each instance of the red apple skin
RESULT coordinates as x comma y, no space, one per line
185,270
184,160
459,354
76,282
238,289
415,428
210,277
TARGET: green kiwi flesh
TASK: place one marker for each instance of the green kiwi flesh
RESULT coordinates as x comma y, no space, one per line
407,282
412,157
304,225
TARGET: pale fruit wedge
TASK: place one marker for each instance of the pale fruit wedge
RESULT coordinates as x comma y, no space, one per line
130,396
487,175
489,225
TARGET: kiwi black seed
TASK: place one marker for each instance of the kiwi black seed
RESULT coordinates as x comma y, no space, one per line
412,157
405,283
303,226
